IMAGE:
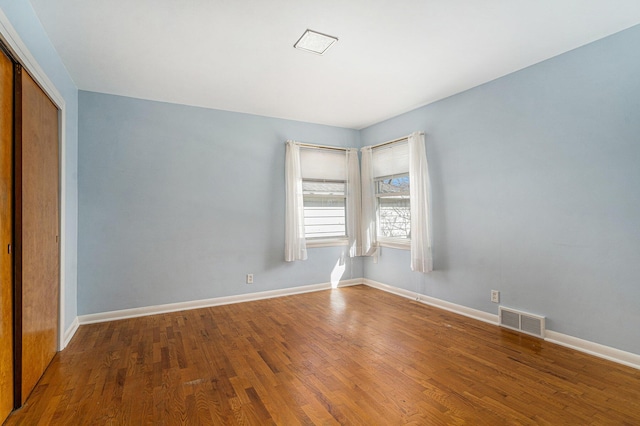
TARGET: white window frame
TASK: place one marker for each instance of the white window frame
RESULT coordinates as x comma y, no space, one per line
317,174
332,240
393,242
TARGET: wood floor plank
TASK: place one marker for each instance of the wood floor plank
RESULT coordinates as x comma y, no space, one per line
354,355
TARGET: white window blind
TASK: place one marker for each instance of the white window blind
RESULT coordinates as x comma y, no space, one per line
391,160
323,164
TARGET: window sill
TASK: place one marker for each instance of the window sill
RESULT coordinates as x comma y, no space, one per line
329,242
400,245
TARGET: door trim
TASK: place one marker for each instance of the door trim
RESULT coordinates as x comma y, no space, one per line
17,235
21,53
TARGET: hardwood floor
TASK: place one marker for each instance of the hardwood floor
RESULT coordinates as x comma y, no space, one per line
354,355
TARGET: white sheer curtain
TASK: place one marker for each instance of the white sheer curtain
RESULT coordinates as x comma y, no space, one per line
353,203
295,246
419,192
368,204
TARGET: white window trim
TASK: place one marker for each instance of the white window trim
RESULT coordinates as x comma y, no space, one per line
399,243
396,243
327,242
352,202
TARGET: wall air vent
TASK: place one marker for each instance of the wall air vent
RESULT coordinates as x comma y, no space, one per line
522,321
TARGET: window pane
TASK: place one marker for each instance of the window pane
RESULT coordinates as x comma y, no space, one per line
394,217
324,217
322,187
393,184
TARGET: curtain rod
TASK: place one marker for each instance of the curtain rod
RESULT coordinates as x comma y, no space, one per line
404,138
312,145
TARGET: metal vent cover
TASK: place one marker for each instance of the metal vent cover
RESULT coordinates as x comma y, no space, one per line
522,321
509,319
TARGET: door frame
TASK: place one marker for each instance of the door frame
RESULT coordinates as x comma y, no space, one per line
21,53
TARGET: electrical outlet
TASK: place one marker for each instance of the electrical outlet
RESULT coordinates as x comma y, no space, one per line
495,296
249,278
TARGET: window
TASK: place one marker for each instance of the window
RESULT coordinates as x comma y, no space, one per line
393,207
324,194
324,204
391,189
322,199
395,199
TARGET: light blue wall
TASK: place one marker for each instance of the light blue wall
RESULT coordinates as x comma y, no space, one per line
535,187
26,23
179,203
536,193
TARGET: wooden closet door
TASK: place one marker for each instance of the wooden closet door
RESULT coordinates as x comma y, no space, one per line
6,236
37,281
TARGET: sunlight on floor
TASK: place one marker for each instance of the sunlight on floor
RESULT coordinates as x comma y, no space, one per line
338,271
338,304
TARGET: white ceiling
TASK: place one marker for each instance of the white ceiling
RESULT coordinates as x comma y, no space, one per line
391,57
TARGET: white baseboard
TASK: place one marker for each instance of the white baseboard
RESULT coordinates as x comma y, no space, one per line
616,355
205,303
438,303
70,332
612,354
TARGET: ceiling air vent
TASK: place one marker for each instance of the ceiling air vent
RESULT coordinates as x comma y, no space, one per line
522,321
315,42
